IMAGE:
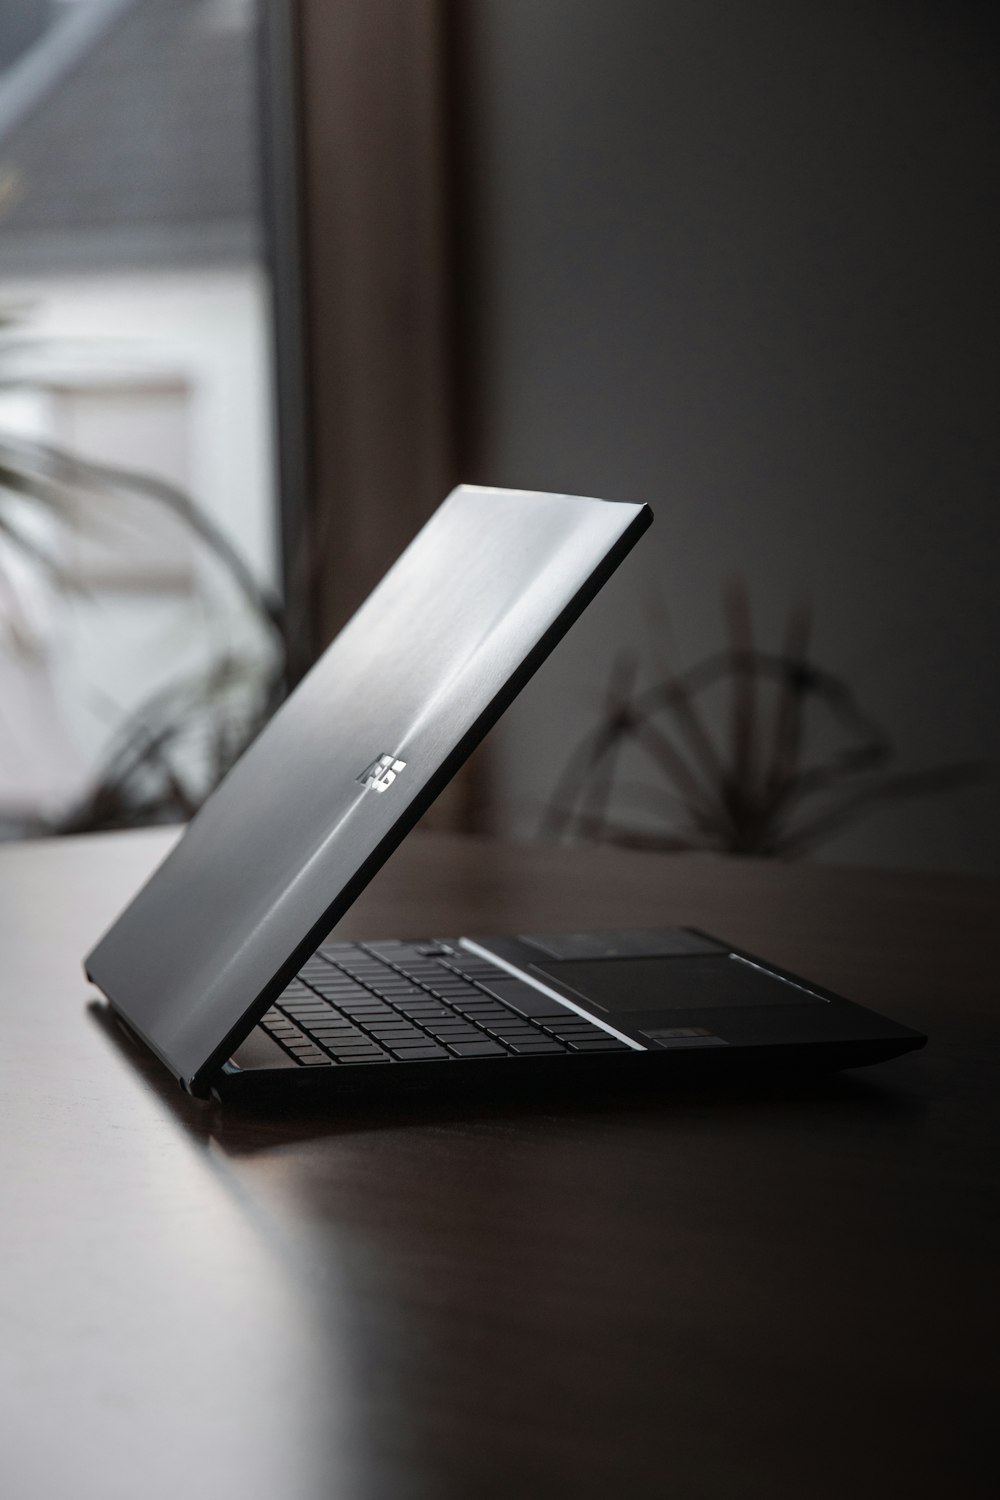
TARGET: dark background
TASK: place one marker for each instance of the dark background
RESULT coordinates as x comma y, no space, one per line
739,261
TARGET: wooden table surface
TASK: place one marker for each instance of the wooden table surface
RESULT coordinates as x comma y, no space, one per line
773,1292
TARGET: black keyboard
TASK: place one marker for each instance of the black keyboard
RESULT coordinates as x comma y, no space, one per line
419,1002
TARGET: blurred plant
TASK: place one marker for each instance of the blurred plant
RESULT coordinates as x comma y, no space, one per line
752,788
150,774
172,750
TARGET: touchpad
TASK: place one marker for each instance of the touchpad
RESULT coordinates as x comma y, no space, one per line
651,984
628,942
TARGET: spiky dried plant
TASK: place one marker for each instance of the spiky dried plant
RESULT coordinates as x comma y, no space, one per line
751,786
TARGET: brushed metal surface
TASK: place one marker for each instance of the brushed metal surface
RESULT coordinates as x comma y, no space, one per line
277,854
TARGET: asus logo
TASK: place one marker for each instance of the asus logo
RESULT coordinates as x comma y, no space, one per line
382,773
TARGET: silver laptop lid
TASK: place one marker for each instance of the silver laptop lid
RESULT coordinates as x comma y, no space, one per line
349,763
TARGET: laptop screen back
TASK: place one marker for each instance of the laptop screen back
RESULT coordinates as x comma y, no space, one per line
352,759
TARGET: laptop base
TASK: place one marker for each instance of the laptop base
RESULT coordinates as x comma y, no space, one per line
636,1005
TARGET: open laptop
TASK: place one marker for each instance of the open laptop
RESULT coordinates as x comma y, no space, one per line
222,964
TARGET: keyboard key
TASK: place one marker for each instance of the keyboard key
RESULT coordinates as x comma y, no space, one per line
484,1048
603,1043
530,1046
419,1054
578,1036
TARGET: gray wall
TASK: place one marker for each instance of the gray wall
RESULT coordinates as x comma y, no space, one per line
740,260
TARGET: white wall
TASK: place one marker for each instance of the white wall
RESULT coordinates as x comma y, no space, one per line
740,261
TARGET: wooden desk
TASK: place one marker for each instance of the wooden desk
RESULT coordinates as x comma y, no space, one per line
774,1293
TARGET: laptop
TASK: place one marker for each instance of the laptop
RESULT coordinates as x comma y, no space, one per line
224,966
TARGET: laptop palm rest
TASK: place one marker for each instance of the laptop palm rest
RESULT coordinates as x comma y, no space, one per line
707,999
710,1000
